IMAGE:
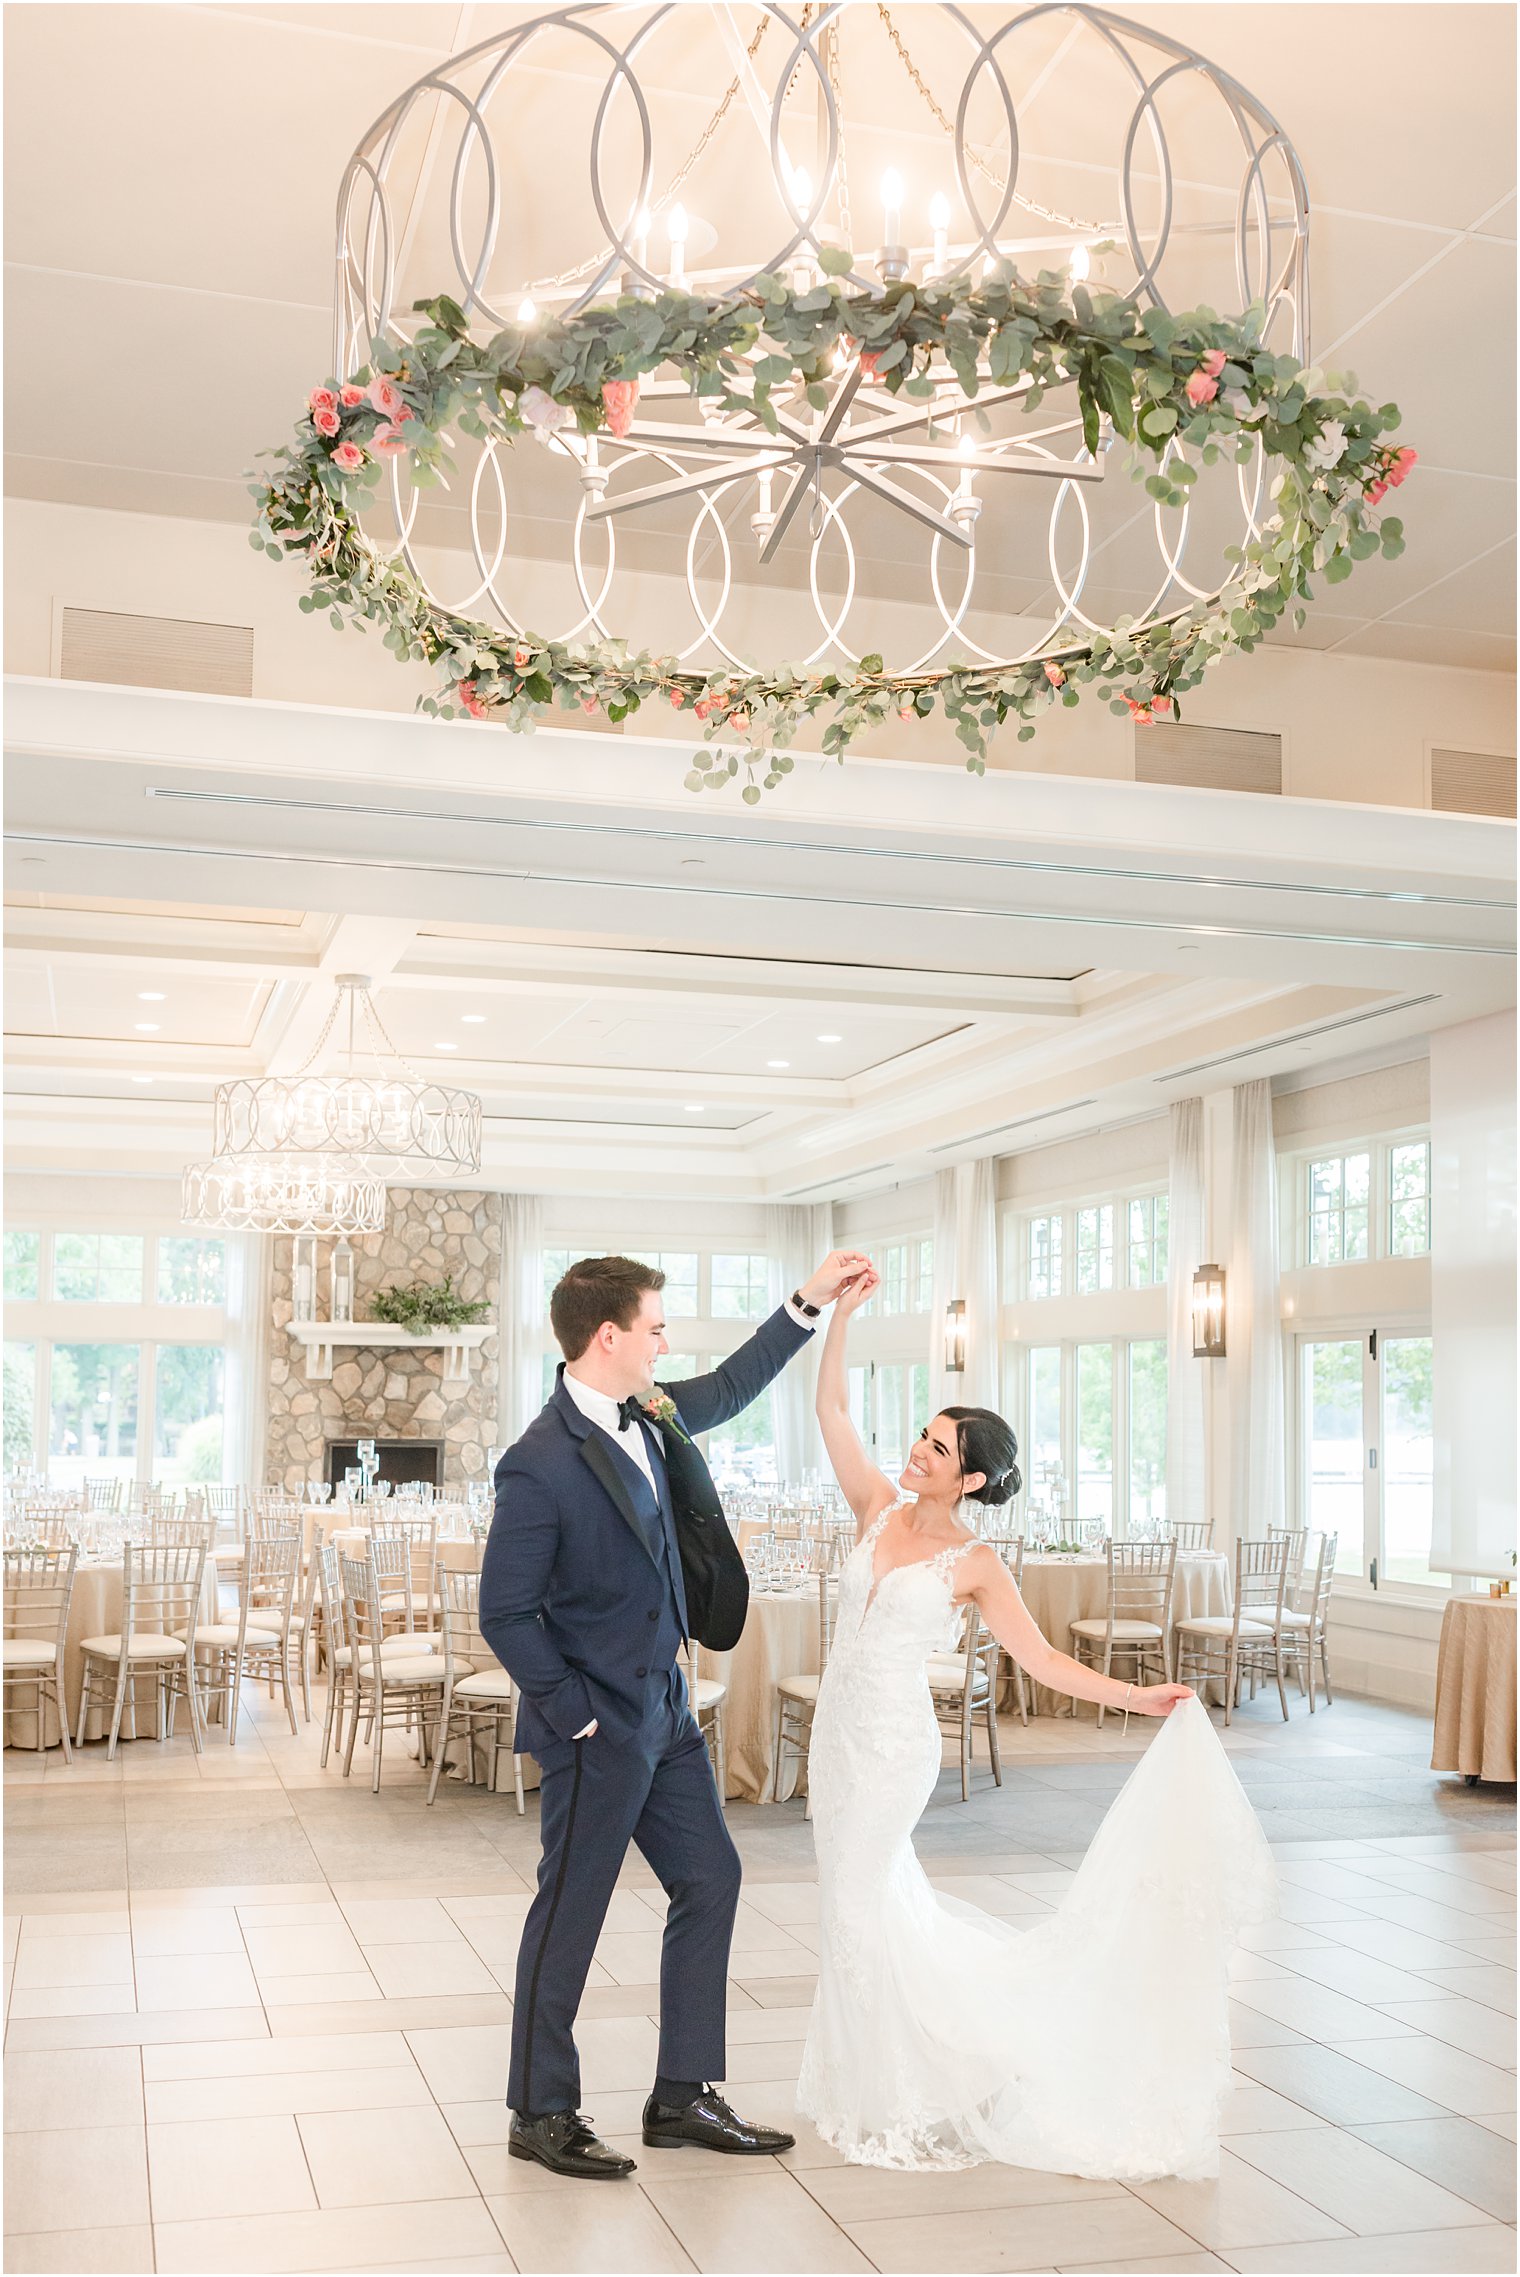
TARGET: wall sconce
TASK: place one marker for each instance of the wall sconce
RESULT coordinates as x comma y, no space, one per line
955,1337
1208,1313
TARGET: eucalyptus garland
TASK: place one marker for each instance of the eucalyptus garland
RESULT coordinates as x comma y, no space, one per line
1202,382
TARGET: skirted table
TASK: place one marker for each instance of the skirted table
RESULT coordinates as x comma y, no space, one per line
780,1639
94,1611
1060,1590
1475,1690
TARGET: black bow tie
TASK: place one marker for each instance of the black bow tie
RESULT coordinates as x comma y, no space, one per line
629,1411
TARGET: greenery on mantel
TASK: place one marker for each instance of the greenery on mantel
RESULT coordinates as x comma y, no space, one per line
425,1305
1195,384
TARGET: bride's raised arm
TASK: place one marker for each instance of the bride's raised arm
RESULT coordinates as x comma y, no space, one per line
866,1489
991,1587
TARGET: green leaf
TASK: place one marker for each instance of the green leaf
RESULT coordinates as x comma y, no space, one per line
834,262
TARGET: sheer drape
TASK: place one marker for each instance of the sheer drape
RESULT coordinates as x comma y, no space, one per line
801,1236
1253,1323
522,1312
977,1184
1186,1490
945,1285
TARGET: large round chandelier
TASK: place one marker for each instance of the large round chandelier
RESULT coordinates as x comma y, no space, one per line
590,152
314,1152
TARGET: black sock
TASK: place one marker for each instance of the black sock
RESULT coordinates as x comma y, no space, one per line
678,2093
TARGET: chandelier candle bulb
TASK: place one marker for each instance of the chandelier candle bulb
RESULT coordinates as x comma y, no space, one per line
1079,268
676,229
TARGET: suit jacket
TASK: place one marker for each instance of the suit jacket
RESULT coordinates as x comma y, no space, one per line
570,1596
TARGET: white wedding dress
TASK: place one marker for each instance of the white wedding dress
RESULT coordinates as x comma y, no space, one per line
1094,2042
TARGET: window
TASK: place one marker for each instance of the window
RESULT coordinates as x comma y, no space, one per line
188,1408
1365,1455
1147,1216
680,1268
1340,1188
1045,1257
1408,1470
1043,1438
98,1268
192,1271
918,1399
893,1293
1409,1199
1095,1249
20,1419
891,1421
557,1263
742,1452
740,1287
21,1255
93,1421
1095,1433
923,1276
1147,1432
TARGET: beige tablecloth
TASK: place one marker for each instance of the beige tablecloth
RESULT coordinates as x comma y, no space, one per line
780,1639
1059,1591
1475,1689
94,1611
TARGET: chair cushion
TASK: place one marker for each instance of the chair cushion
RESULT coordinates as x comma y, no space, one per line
1292,1620
947,1673
142,1646
484,1684
705,1692
408,1647
25,1652
265,1617
1132,1629
799,1687
226,1633
425,1668
1220,1625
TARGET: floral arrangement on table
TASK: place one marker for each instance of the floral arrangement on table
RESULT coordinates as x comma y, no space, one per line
428,1304
1198,380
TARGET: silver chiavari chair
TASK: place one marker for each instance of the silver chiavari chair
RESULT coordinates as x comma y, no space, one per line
161,1592
39,1585
1136,1627
477,1691
964,1685
797,1696
1304,1624
256,1644
1224,1647
388,1689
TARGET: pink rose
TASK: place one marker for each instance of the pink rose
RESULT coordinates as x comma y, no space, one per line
386,397
471,702
870,363
1200,388
907,711
322,399
1402,465
1213,363
1161,703
1055,675
522,658
677,697
619,400
351,396
388,443
348,458
1376,491
703,709
738,719
589,704
325,420
1140,713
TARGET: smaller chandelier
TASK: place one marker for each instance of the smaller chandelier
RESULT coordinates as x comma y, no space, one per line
271,1194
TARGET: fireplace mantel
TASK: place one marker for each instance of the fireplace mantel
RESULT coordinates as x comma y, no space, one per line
323,1337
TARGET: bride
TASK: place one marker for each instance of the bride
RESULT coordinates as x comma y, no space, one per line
1094,2042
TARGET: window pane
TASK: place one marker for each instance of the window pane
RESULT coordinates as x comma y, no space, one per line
550,1371
1162,1223
890,1452
1333,1411
20,1404
918,1389
743,1451
894,1277
1409,1229
98,1268
680,1268
1095,1249
1044,1407
1324,1239
740,1287
557,1263
192,1271
1095,1432
1045,1257
1408,1471
1409,1199
93,1425
21,1264
923,1292
1140,1245
1147,1430
188,1407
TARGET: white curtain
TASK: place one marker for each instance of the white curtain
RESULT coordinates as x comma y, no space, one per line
976,1188
945,1285
522,1312
1253,1324
1186,1482
801,1236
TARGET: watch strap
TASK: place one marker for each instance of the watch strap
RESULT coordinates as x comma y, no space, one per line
809,1312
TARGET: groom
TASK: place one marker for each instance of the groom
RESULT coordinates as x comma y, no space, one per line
582,1599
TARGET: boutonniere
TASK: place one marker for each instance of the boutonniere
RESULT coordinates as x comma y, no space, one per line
662,1410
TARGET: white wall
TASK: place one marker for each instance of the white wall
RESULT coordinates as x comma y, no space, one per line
1354,728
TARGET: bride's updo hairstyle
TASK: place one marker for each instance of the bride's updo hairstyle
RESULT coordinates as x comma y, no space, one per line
985,1443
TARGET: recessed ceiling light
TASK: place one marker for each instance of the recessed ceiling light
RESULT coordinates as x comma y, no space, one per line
142,1079
146,1027
472,1019
151,996
831,1039
446,1047
778,1063
696,1110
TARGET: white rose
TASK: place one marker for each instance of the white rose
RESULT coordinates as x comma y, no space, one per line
541,411
1327,447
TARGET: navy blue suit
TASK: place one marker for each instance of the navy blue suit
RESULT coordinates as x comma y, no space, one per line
581,1599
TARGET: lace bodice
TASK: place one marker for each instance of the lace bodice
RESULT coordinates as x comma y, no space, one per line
898,1618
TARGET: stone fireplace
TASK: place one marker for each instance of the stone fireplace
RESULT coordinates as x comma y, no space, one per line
391,1394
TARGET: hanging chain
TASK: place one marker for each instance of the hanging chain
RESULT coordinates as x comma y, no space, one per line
312,1057
379,1034
1030,205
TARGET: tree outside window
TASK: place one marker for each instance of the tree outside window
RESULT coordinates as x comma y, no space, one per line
21,1254
92,1427
1409,1199
188,1411
98,1268
20,1421
1095,1249
1147,1431
192,1271
1095,1432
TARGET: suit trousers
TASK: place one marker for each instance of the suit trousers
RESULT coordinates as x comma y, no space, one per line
656,1790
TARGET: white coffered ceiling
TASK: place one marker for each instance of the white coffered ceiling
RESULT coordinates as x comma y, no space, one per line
171,172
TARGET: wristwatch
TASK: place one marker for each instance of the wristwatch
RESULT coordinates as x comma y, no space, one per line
809,1312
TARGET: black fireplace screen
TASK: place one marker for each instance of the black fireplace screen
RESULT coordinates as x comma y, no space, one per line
401,1460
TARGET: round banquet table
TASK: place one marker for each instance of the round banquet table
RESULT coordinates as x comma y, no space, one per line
1475,1689
1060,1590
94,1611
780,1639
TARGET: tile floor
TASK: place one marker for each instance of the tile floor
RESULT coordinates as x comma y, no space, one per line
257,2019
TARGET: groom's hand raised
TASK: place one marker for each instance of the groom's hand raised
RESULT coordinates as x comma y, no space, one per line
840,1266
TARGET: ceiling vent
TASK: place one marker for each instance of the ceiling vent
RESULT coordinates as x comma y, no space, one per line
996,1130
1472,782
1298,1036
830,1188
1209,758
156,652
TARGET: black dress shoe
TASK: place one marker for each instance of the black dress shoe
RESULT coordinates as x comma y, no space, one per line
564,2142
710,2123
